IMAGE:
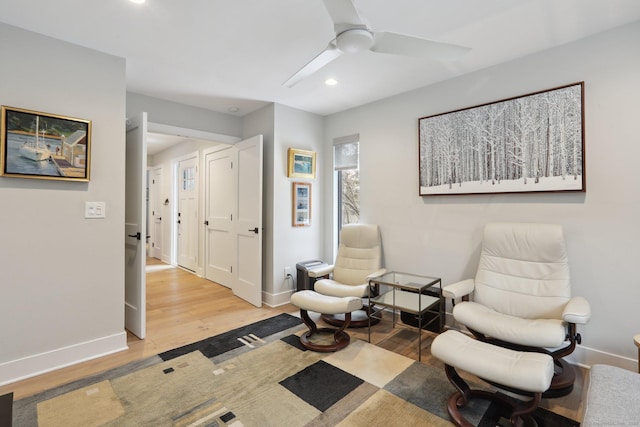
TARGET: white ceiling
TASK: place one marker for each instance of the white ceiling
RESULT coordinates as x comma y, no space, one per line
219,54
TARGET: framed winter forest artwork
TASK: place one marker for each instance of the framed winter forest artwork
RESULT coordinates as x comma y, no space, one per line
530,143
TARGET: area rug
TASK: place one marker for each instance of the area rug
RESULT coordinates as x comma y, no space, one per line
262,378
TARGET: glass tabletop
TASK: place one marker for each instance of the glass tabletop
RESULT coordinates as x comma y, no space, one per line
405,280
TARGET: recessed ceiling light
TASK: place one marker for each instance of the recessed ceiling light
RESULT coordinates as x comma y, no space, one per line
331,82
137,1
234,109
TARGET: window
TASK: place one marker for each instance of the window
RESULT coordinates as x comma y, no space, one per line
189,178
345,161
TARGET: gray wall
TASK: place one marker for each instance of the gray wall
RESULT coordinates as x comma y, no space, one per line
440,235
62,275
184,116
283,128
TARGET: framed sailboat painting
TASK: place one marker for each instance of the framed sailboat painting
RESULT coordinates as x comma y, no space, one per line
44,146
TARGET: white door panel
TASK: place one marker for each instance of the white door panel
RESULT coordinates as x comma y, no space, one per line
234,218
135,226
188,213
220,196
249,224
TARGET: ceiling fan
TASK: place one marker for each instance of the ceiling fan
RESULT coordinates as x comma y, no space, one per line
353,36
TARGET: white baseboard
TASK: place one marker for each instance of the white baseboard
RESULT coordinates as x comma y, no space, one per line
275,300
587,357
37,364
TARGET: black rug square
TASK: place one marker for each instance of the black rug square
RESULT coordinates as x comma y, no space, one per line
321,385
293,340
227,341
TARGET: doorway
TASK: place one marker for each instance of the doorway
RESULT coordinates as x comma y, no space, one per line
170,196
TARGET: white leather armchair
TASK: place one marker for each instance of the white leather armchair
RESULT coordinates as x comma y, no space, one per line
359,259
521,296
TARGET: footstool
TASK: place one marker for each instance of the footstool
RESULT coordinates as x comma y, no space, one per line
530,373
312,301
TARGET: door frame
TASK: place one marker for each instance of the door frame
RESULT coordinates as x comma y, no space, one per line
152,127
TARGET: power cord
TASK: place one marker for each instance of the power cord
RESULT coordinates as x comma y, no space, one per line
293,282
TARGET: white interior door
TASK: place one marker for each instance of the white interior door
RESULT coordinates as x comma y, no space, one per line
220,202
135,226
234,218
188,213
248,284
155,194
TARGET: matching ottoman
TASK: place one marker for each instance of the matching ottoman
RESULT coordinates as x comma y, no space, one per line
528,372
312,301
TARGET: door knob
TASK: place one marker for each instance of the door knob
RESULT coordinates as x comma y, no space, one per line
255,230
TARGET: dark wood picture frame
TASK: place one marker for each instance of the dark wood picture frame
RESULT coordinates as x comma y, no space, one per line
524,144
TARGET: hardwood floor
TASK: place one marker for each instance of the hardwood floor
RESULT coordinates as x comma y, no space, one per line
183,308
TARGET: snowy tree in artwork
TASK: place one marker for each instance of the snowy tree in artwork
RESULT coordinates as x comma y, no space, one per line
525,144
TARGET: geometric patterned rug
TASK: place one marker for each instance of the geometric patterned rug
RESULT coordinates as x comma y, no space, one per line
267,380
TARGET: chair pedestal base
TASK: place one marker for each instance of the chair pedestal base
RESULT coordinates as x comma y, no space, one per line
521,411
359,319
563,379
340,338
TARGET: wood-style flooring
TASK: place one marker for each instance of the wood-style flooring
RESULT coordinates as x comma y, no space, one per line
183,308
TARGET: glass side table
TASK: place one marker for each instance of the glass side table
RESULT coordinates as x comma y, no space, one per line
406,292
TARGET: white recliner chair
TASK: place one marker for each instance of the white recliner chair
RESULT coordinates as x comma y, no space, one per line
359,259
521,296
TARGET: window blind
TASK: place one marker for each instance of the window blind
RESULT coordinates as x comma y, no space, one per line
345,152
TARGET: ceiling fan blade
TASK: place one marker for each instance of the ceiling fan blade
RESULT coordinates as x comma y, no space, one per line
400,44
328,55
343,14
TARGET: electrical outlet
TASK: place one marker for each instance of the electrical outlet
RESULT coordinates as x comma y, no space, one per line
287,271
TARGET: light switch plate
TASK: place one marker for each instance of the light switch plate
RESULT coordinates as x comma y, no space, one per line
94,209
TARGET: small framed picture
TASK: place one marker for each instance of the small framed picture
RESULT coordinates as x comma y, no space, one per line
302,164
301,204
44,146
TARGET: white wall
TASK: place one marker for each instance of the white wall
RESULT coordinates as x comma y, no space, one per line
440,235
295,129
62,277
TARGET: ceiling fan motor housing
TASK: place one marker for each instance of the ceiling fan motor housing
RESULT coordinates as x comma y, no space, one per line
354,40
